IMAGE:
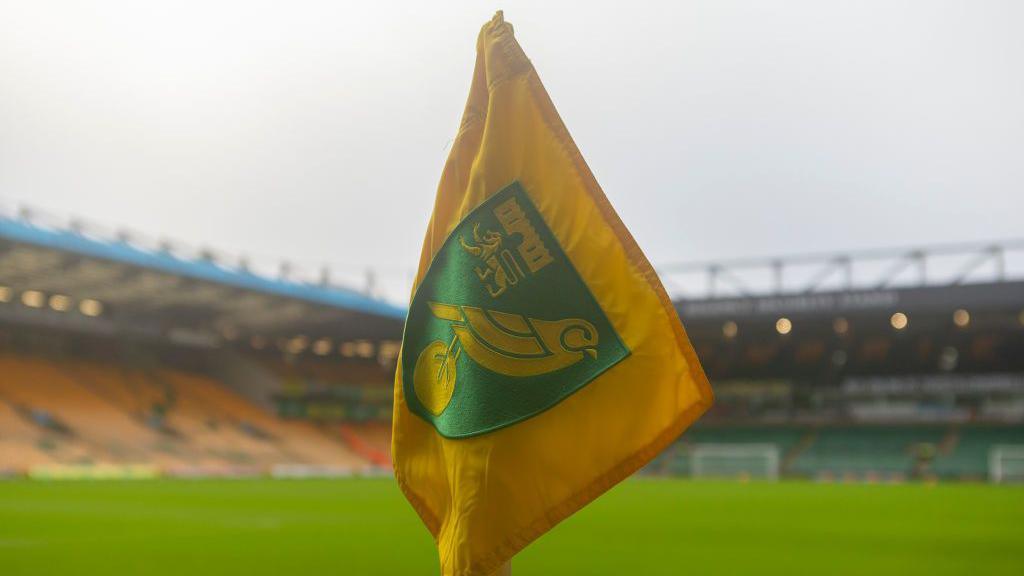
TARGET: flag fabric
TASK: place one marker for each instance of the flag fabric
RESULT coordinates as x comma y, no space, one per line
542,360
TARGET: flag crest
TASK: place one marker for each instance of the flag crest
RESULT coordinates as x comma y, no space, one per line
502,326
542,360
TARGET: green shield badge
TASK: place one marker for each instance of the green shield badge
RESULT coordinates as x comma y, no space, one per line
502,327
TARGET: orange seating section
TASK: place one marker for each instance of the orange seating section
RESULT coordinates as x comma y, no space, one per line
81,412
371,440
377,435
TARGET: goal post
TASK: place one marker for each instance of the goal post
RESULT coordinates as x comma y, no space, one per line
760,461
1006,463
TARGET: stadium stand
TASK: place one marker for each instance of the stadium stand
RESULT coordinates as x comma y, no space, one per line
101,431
117,350
83,412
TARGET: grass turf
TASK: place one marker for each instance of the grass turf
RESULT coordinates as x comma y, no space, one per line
643,527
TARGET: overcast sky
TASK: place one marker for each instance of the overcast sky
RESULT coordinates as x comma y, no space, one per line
316,131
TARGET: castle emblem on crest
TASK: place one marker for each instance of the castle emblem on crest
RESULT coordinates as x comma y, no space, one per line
500,269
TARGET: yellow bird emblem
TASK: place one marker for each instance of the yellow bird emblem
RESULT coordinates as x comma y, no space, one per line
509,344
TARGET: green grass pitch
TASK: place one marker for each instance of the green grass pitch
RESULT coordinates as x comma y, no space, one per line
643,527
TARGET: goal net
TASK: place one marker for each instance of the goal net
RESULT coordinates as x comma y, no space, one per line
1006,463
735,461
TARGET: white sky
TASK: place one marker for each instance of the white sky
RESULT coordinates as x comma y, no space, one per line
316,131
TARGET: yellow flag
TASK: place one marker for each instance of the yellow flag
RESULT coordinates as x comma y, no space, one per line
542,360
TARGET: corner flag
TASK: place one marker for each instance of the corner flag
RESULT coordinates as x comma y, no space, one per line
542,360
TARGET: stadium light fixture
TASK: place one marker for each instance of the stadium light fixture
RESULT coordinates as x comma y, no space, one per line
90,307
389,350
364,348
322,347
841,326
730,329
60,303
5,294
961,318
783,326
347,349
33,298
258,342
297,344
899,320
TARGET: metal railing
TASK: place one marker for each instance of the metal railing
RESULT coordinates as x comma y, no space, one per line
939,265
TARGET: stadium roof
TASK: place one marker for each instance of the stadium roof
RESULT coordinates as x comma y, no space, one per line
159,286
983,281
